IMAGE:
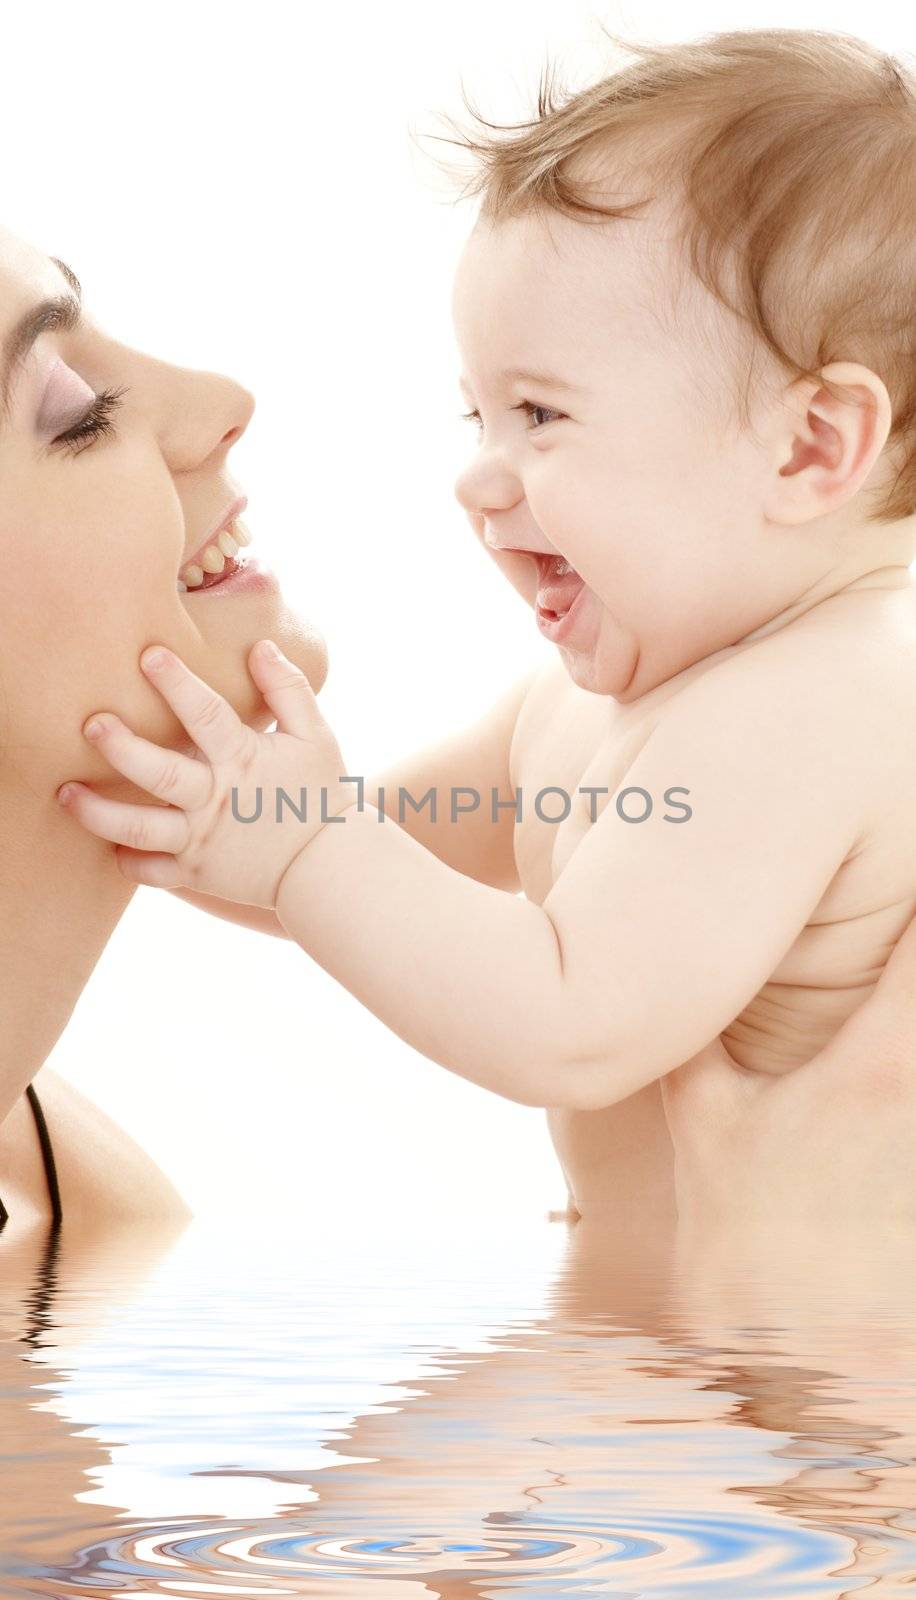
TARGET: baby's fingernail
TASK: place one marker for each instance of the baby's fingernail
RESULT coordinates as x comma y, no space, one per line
269,650
94,729
153,659
64,794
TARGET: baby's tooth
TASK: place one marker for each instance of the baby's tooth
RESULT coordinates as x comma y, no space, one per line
227,544
240,533
213,559
193,575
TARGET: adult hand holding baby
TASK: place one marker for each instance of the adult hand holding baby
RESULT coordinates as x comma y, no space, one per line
193,839
824,1151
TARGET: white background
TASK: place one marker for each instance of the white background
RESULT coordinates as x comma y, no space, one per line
237,188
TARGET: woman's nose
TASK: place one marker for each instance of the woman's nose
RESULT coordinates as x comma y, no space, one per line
205,413
226,410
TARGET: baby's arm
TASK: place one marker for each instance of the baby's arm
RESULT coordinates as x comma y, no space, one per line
260,918
475,757
655,936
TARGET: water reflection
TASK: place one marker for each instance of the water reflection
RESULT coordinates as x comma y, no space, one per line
550,1411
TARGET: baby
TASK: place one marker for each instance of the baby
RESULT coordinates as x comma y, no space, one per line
706,796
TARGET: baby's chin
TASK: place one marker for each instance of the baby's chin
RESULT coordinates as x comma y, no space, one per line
602,655
586,674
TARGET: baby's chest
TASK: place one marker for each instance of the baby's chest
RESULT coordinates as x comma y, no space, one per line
570,759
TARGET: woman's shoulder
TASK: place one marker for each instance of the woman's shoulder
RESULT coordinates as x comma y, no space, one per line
103,1173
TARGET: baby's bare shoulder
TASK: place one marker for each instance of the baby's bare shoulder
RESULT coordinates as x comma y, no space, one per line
879,623
853,654
837,687
863,650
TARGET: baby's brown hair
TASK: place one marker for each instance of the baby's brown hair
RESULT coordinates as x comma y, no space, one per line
793,155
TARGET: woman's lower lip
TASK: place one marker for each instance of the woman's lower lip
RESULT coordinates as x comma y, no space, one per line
557,629
248,579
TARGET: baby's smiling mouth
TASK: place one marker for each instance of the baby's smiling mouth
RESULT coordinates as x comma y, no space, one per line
215,560
559,585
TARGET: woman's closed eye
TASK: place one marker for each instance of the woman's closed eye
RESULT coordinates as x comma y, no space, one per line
525,405
93,423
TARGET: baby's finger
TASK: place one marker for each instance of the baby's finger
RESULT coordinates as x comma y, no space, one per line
286,689
160,872
209,719
142,827
174,777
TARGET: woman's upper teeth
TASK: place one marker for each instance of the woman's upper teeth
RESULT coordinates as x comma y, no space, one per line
214,555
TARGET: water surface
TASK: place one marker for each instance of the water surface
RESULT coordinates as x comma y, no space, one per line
454,1410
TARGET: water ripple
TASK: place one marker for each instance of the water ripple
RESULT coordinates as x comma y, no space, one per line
662,1558
265,1423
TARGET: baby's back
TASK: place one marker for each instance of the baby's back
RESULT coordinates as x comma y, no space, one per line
861,647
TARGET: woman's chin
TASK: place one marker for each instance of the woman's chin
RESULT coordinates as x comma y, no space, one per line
228,624
307,649
302,645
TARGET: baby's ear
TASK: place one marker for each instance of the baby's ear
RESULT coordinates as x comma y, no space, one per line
824,441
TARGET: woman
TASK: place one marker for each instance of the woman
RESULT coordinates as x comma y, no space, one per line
92,549
114,472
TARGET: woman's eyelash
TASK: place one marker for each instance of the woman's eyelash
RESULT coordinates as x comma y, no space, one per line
526,405
96,422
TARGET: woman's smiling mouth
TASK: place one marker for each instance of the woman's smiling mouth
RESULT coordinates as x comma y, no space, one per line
216,560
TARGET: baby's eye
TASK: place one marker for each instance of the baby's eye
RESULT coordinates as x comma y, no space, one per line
525,405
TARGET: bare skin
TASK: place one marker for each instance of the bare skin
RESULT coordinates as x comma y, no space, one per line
805,1138
816,1160
638,943
91,545
647,654
826,1143
728,1124
744,633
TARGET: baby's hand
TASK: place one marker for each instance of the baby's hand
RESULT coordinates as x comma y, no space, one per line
209,845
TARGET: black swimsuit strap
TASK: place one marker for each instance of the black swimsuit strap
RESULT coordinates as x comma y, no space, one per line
47,1156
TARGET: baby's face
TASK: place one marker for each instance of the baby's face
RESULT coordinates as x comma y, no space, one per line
627,474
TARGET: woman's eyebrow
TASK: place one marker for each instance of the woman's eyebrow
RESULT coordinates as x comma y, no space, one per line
62,313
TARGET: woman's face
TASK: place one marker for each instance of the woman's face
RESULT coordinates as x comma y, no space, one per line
93,533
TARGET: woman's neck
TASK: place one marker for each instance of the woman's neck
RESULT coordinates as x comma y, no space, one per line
61,897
